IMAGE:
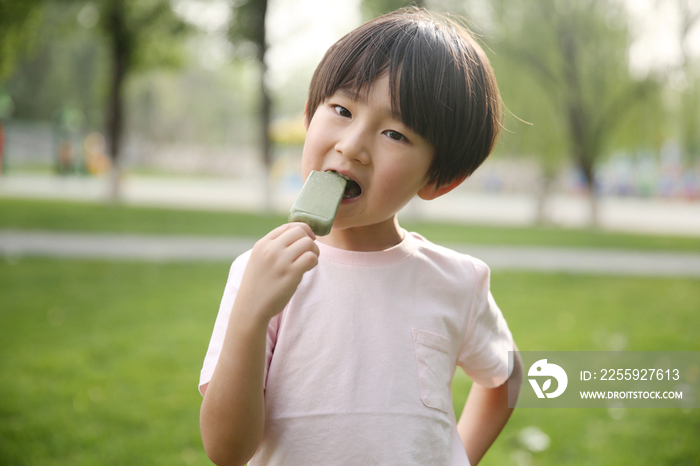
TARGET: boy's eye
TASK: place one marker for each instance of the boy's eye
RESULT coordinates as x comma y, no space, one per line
395,135
342,111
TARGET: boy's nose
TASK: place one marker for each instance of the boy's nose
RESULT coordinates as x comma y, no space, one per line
353,145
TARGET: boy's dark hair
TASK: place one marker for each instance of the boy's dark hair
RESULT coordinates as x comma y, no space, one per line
442,85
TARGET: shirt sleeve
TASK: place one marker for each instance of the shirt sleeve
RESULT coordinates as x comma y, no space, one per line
217,338
221,324
487,341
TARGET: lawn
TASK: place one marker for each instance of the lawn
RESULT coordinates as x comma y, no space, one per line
23,214
100,362
562,312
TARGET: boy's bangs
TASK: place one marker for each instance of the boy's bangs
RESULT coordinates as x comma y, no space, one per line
358,60
354,63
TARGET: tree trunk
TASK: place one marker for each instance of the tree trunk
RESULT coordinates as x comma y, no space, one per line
589,174
579,120
115,122
265,143
2,146
116,25
265,106
543,196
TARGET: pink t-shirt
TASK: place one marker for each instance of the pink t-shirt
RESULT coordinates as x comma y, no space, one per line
360,362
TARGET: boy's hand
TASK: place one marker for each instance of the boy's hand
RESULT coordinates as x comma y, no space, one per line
275,268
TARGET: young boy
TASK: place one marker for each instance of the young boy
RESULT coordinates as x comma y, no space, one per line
340,350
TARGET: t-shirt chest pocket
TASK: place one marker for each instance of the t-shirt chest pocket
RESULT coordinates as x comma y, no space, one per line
434,369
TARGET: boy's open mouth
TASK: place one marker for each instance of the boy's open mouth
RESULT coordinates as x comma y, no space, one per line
352,189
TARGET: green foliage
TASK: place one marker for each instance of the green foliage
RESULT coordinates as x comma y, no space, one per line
531,124
151,30
68,70
19,21
562,67
71,66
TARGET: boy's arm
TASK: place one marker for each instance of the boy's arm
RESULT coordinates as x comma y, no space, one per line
233,409
486,412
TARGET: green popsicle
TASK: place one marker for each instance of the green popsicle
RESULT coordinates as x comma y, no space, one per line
318,201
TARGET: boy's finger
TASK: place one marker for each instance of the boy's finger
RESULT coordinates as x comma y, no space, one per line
302,245
275,233
306,261
294,232
304,227
298,245
280,230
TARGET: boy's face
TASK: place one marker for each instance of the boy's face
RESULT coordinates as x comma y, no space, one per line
364,141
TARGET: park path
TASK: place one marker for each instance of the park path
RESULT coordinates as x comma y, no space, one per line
17,243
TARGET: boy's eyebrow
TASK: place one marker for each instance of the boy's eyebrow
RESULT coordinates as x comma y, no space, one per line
350,94
356,96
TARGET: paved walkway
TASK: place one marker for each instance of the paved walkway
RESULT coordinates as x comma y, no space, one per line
192,248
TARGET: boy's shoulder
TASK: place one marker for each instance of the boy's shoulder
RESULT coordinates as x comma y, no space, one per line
445,257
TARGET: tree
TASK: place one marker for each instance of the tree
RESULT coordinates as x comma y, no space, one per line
248,26
139,33
578,53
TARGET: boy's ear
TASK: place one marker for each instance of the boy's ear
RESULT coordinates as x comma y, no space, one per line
306,115
430,191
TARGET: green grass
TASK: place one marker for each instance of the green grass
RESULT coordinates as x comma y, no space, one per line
446,233
118,218
561,312
95,217
100,362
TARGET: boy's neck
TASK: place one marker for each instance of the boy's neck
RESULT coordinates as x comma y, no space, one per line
369,238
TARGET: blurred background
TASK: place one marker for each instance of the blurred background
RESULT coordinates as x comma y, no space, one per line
145,143
602,101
